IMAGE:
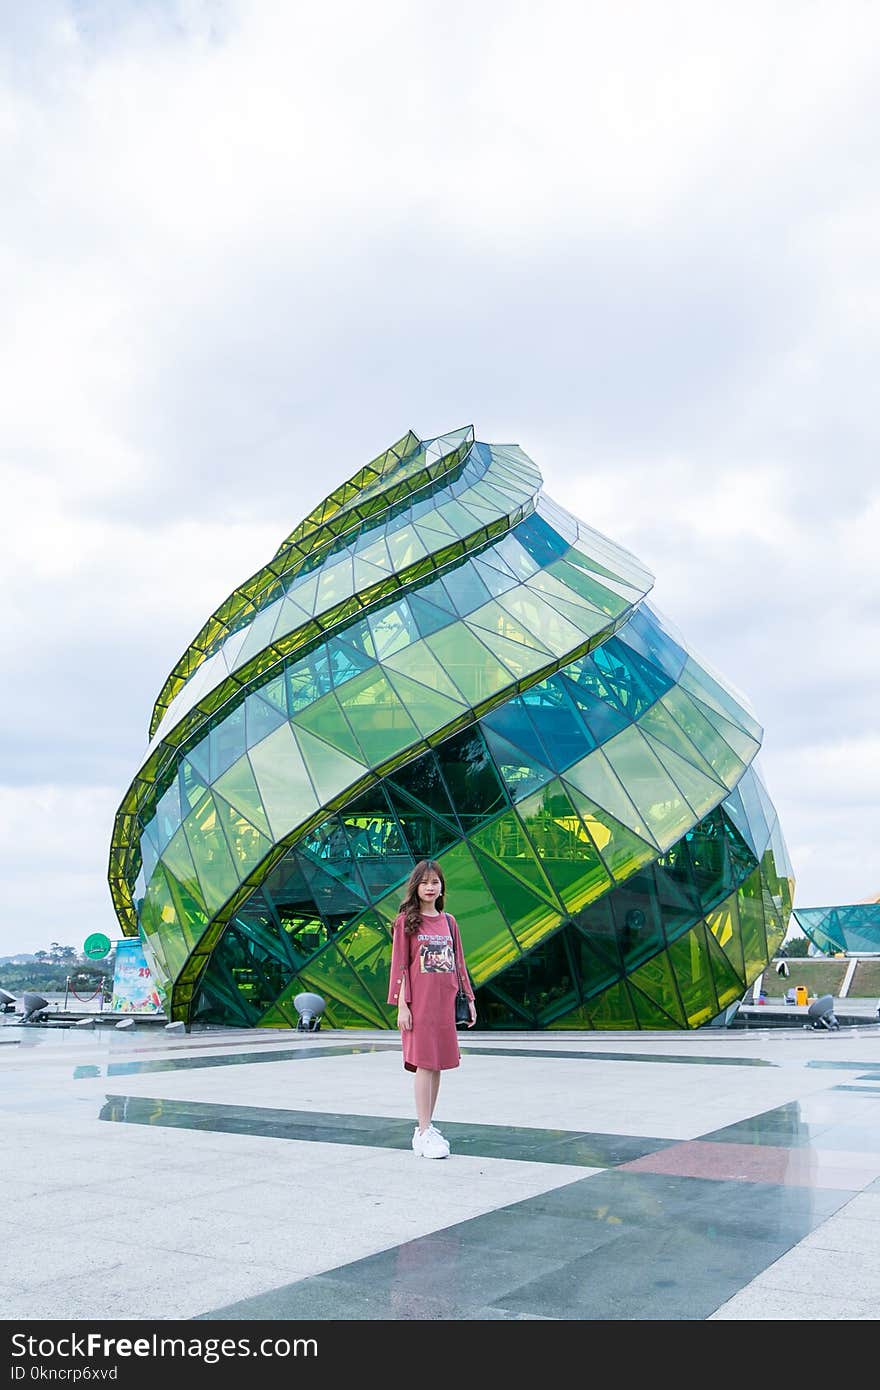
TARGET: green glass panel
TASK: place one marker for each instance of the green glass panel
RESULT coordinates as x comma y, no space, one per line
177,858
285,789
330,770
588,588
419,663
699,791
469,664
505,840
595,969
703,735
708,691
582,615
723,924
621,850
238,786
690,961
665,810
329,975
569,857
656,980
595,777
274,692
530,917
377,716
426,835
519,659
649,1014
657,723
528,608
166,938
366,946
751,916
248,846
428,709
728,985
191,917
405,547
743,745
488,943
611,1010
492,618
326,719
211,856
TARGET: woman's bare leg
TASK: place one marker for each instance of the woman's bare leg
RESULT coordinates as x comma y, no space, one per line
426,1084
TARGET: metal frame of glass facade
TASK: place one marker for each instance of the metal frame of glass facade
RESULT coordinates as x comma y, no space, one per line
440,662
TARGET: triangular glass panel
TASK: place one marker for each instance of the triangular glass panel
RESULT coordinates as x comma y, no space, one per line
612,1010
622,851
325,718
696,985
283,782
565,850
657,723
595,777
428,616
701,793
248,846
521,660
469,664
602,717
744,745
331,771
723,924
428,709
238,786
504,840
652,990
649,786
531,918
728,985
520,773
512,723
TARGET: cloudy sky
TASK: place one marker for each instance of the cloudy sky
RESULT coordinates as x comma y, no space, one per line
245,244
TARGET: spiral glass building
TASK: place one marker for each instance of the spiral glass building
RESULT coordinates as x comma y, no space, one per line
441,662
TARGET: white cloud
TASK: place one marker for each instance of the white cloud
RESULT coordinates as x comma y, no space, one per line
247,244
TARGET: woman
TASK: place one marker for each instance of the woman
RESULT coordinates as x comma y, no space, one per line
427,962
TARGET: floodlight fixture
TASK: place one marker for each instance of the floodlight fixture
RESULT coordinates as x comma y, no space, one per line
310,1008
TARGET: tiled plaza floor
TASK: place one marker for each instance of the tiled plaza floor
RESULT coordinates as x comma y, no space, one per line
266,1175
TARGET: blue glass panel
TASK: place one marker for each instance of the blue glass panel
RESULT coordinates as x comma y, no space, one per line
465,588
645,633
560,726
261,718
428,617
227,742
511,721
521,773
538,537
601,719
346,660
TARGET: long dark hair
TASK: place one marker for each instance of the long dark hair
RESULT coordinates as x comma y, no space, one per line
411,906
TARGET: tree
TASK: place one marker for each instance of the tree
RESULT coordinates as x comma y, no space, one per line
798,946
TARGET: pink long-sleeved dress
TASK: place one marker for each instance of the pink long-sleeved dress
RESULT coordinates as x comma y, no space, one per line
423,965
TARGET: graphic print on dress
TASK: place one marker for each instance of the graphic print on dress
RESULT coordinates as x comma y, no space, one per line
435,955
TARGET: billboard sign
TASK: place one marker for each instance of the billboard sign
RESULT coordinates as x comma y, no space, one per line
134,991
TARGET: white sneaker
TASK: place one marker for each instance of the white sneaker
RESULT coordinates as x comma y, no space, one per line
433,1144
432,1129
417,1142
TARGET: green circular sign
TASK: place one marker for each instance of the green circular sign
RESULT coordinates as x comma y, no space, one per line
96,945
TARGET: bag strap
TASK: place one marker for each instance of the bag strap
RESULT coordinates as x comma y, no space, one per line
454,949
